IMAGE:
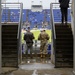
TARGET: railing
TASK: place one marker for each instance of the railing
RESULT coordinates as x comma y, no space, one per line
52,20
53,32
9,13
52,26
19,35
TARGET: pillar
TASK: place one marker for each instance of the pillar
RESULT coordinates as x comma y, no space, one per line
0,36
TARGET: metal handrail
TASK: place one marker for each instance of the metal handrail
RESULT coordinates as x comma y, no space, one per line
20,21
6,7
52,21
53,29
12,3
19,34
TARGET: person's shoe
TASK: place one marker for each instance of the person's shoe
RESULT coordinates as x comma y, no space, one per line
65,23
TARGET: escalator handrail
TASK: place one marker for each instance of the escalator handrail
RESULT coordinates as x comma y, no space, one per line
52,21
20,21
19,34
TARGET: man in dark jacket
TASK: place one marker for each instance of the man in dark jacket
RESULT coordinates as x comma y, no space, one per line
64,4
28,37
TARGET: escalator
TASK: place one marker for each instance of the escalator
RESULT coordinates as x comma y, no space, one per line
63,46
9,45
62,42
11,37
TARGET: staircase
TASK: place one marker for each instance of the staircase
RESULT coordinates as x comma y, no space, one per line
64,46
9,45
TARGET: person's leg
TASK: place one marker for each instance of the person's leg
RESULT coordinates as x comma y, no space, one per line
41,49
31,50
66,15
62,15
25,47
27,50
45,49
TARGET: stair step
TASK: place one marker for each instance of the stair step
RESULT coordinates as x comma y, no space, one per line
9,39
63,35
64,43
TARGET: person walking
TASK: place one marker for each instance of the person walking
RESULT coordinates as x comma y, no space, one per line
64,4
28,37
43,37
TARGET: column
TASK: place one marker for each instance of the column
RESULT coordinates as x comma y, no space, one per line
73,9
0,36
